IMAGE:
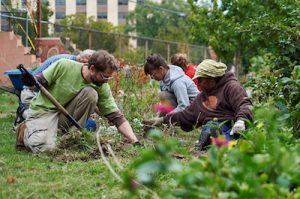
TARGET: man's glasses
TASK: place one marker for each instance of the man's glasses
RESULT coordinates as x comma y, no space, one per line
105,78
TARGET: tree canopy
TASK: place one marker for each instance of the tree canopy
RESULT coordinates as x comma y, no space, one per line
166,20
245,27
77,27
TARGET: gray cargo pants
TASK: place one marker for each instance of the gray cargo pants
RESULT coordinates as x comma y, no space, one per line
40,134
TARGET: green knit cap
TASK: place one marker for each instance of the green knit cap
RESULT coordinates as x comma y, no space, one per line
210,68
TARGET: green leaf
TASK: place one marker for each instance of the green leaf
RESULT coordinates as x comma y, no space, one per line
286,80
261,158
283,181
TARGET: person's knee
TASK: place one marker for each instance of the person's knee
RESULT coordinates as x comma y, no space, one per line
37,142
91,94
166,96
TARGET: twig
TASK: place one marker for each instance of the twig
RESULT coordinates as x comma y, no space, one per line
2,162
114,156
105,160
146,190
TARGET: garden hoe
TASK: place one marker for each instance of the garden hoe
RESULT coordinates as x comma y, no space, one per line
60,108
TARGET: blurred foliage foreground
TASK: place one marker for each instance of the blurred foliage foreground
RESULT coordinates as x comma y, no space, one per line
265,163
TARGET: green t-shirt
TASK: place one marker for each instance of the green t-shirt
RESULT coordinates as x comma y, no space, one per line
64,83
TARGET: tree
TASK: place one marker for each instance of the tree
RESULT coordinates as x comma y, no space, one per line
161,21
164,21
78,27
19,26
245,28
46,14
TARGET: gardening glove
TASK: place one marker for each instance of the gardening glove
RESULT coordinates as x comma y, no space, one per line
27,80
238,127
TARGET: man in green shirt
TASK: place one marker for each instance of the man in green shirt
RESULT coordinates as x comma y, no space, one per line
80,88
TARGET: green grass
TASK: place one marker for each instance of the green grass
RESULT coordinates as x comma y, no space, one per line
71,171
40,176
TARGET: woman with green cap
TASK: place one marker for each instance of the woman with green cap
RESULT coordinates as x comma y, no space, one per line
222,106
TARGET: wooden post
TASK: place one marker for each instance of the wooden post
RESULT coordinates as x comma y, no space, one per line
146,49
205,52
188,51
119,46
90,39
168,52
39,18
237,62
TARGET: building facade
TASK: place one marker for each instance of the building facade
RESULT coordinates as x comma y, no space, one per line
113,11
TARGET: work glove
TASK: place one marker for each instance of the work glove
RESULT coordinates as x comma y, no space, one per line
27,80
238,127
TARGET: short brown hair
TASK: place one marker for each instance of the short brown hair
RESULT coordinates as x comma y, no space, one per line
180,59
102,60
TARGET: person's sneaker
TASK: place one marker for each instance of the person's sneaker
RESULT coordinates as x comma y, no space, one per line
20,129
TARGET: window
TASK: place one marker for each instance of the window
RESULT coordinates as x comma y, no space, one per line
122,15
5,28
60,2
81,2
24,2
123,2
59,29
60,15
5,2
102,15
102,2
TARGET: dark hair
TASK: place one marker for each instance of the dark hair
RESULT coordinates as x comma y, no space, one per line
180,59
154,61
102,60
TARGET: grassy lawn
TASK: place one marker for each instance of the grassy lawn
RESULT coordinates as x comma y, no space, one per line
71,171
24,175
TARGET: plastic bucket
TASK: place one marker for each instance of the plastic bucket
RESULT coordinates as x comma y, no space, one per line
15,77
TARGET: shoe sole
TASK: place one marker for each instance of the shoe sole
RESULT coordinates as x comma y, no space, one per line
20,137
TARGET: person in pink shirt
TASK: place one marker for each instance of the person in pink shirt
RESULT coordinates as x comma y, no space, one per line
180,59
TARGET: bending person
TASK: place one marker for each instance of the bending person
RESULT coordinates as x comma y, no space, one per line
181,60
79,88
222,106
176,88
28,92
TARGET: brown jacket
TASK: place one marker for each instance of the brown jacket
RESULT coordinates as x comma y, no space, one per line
228,101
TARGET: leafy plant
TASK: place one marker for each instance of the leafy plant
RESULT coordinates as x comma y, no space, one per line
260,166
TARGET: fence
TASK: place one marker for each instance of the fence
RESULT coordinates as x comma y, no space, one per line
131,49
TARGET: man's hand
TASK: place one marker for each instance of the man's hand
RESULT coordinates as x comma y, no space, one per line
138,144
150,124
238,127
154,121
